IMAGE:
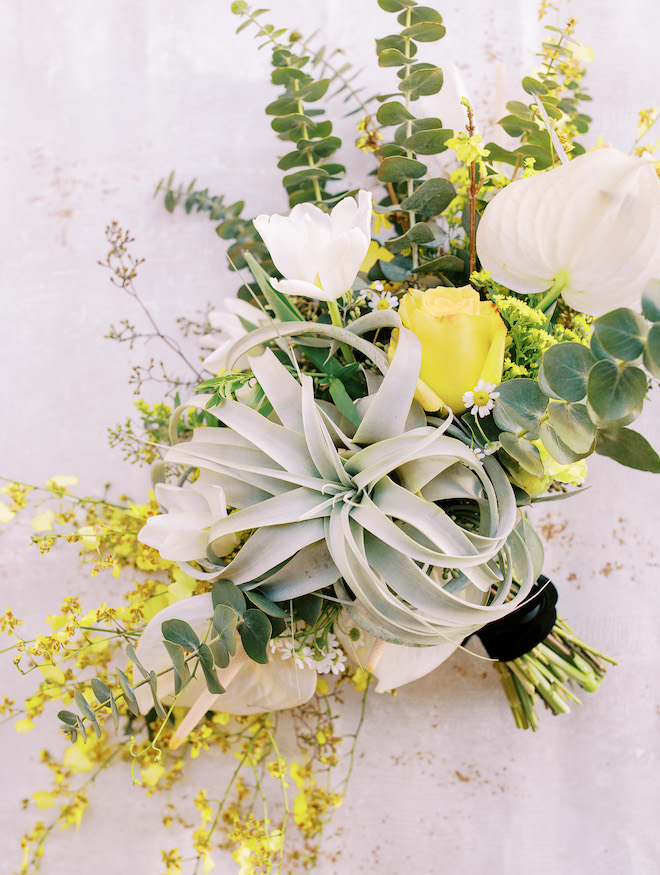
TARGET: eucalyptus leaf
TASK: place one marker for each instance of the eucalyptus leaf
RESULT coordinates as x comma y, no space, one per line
308,608
393,58
419,14
559,450
629,448
101,691
425,31
392,113
651,300
263,603
398,169
422,83
572,425
227,593
220,653
564,371
68,717
225,621
397,270
129,695
652,351
621,333
179,632
524,452
431,198
615,391
444,264
521,405
176,655
153,686
430,142
255,631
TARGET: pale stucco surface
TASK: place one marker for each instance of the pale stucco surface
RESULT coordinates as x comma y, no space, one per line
98,102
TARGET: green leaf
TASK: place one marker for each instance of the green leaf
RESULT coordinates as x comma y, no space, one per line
286,75
283,106
312,92
238,7
255,633
392,5
652,351
397,270
393,58
431,198
559,451
398,169
521,110
390,149
83,704
294,179
153,686
621,333
393,41
213,685
629,448
564,370
225,621
129,695
516,127
392,113
284,123
616,392
281,305
444,264
320,148
421,83
220,653
533,86
101,691
175,652
419,13
420,233
572,425
180,632
425,31
68,717
520,406
524,452
651,300
597,349
264,604
308,608
429,142
343,401
227,593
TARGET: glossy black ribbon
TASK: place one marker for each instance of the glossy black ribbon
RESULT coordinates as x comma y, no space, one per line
522,629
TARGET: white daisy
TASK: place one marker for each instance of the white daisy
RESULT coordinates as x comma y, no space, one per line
481,399
381,300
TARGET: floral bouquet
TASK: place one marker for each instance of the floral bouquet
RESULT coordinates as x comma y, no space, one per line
342,500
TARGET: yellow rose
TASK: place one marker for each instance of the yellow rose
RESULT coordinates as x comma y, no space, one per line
462,340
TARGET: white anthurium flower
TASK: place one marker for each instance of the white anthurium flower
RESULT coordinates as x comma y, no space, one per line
250,687
319,254
393,665
588,229
181,534
233,322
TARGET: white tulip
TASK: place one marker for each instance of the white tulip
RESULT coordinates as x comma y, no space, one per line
590,229
182,534
317,253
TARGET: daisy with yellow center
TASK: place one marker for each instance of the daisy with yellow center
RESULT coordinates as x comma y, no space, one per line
481,399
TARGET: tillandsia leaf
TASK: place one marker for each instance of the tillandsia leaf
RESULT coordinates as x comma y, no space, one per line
377,507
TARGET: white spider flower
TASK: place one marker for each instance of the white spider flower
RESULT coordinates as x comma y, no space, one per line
588,229
481,399
319,254
380,300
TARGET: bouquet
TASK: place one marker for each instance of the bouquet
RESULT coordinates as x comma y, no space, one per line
342,500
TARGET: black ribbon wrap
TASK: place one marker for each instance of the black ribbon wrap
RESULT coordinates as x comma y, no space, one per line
520,631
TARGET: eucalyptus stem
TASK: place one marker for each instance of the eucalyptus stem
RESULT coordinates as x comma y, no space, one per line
412,218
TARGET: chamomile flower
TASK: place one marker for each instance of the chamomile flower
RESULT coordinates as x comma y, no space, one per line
481,399
379,299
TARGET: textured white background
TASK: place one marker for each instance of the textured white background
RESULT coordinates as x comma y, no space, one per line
98,102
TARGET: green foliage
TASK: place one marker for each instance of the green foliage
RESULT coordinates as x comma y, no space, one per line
557,93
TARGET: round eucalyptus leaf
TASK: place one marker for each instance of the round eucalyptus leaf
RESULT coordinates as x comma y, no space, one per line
524,452
651,300
564,370
652,351
572,425
614,391
621,333
559,451
598,351
520,406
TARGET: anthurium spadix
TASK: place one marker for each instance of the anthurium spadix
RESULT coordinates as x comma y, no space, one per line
318,253
589,229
